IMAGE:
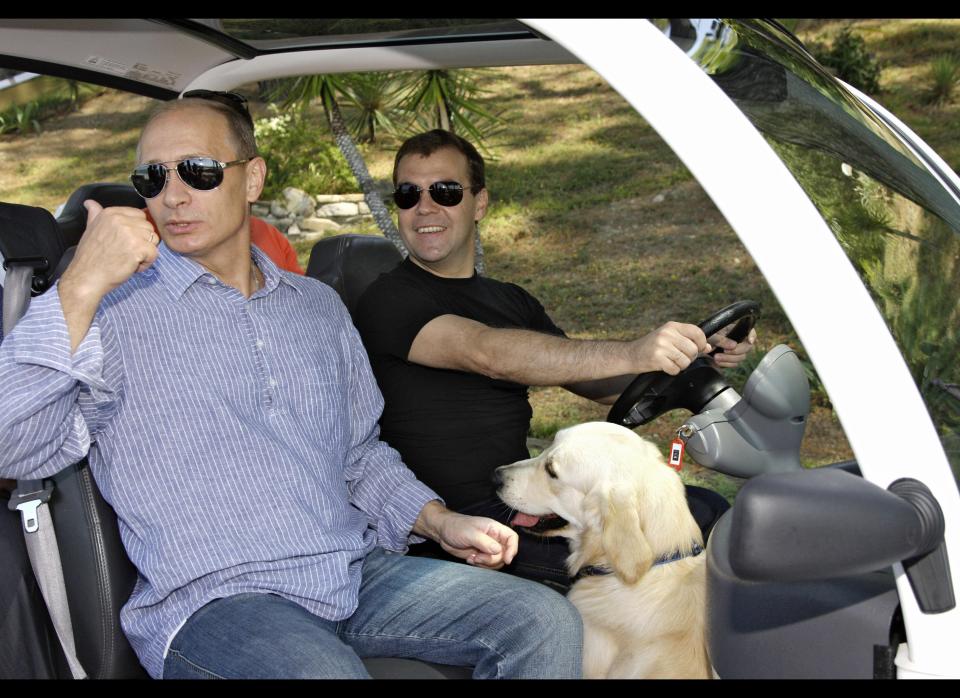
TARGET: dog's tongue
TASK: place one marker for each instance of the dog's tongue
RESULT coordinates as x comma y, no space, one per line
524,520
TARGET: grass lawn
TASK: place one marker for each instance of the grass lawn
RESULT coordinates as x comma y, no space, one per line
591,211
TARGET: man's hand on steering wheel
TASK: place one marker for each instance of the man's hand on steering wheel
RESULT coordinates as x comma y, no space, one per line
677,378
671,348
733,352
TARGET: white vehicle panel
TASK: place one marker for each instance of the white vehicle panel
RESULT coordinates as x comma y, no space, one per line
877,402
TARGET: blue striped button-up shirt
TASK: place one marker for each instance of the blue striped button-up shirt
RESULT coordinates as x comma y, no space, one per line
236,438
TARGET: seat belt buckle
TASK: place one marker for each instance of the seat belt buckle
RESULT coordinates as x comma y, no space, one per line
28,502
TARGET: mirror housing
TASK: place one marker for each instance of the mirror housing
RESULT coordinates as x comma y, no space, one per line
826,523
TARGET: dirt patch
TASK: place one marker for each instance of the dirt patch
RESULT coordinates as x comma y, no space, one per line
91,144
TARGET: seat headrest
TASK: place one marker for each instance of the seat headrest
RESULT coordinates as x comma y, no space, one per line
31,233
349,263
73,216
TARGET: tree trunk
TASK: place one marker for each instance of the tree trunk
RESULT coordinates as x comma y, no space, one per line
443,118
359,168
478,251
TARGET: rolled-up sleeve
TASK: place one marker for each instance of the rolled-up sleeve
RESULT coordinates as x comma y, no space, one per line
380,484
53,399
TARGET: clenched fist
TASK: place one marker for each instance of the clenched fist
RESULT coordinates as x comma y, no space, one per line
670,348
118,242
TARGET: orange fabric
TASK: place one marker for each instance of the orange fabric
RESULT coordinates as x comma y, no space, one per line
274,244
265,236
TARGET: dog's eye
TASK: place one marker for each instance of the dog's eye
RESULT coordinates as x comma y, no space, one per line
548,466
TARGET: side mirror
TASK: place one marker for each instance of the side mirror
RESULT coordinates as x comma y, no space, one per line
820,524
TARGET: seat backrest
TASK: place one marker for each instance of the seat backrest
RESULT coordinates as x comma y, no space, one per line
349,263
73,216
30,234
99,576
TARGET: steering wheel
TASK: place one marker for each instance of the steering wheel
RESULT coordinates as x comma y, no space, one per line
651,394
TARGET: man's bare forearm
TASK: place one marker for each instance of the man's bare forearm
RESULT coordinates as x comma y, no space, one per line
534,358
428,522
602,390
79,308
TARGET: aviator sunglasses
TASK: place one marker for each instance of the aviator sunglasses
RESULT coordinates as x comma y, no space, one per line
407,195
202,174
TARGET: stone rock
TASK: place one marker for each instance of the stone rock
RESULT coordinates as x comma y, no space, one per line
293,231
318,225
659,198
363,208
261,209
298,202
278,210
280,224
337,210
337,198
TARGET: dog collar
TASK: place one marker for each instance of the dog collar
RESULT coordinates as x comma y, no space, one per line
600,570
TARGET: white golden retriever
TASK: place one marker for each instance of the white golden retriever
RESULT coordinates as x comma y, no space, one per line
636,549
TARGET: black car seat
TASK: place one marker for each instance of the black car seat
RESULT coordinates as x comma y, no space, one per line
94,561
72,218
350,262
99,575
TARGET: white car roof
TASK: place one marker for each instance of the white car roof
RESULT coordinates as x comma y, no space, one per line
162,58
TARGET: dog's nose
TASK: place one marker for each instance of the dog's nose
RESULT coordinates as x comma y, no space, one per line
497,478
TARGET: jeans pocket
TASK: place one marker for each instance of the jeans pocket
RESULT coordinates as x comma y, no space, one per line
177,666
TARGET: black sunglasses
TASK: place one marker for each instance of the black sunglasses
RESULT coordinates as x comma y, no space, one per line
230,99
407,195
202,174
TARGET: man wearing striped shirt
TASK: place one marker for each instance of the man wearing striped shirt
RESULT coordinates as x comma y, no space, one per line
230,417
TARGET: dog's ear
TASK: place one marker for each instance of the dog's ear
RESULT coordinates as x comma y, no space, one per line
624,544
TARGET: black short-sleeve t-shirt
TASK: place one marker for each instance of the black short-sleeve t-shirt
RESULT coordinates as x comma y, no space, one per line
452,428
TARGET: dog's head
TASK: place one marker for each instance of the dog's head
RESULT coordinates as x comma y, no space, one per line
622,504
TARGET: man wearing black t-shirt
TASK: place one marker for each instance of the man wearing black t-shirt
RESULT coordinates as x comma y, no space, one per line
454,352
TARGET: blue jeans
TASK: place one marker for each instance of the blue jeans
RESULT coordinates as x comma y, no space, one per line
410,607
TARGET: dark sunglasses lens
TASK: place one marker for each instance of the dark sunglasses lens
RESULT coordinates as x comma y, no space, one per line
446,193
148,180
406,196
203,174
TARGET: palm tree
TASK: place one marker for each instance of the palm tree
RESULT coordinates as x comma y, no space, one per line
303,91
373,97
445,99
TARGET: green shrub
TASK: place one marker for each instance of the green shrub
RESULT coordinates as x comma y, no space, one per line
301,153
944,73
850,61
21,118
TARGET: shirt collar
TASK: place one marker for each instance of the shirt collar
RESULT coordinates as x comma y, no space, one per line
178,272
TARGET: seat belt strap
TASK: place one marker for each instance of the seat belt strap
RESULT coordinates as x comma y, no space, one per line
31,498
44,553
16,294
